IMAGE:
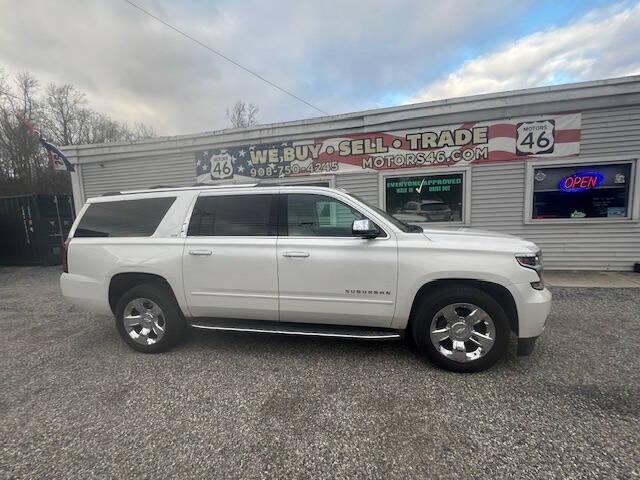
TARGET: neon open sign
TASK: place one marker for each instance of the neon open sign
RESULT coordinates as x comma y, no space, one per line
581,181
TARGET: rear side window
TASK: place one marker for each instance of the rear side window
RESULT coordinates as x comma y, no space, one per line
233,215
124,218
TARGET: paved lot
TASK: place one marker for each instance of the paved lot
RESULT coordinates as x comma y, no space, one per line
75,402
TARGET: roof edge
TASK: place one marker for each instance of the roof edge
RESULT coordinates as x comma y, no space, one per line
260,130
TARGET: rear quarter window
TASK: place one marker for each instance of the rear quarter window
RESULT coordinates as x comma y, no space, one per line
124,218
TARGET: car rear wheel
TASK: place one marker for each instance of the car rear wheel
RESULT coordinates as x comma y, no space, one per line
149,319
462,330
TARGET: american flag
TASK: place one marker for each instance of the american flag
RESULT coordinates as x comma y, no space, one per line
57,159
239,159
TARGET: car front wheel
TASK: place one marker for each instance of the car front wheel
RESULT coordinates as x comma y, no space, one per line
462,329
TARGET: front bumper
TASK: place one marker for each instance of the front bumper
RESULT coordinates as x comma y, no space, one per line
533,309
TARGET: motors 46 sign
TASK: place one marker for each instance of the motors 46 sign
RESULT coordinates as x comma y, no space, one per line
535,138
433,146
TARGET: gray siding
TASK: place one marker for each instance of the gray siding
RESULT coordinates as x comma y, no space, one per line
611,131
176,170
363,185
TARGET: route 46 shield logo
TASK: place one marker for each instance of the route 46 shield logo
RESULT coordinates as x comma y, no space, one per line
535,138
221,167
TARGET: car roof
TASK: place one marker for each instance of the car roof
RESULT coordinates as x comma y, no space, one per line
231,188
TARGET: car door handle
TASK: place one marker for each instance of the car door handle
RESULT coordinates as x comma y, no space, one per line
296,254
201,251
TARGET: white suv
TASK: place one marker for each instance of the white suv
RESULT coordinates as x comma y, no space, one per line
300,261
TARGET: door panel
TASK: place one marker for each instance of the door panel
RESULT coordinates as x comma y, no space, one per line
229,260
326,276
343,281
238,279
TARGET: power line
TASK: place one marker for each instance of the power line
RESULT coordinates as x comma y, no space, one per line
257,75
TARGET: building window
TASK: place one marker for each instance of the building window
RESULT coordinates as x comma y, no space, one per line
582,191
425,198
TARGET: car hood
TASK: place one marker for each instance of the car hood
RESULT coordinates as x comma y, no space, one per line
480,239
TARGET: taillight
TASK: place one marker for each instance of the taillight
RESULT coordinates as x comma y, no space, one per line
65,254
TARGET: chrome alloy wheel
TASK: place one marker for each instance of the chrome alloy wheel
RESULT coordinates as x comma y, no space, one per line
144,321
462,332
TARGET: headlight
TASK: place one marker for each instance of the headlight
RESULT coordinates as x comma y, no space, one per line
530,260
534,262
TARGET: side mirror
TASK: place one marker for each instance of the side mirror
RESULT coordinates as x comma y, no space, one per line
364,228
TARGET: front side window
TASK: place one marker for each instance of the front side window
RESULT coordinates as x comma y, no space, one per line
425,198
123,218
319,216
233,215
582,191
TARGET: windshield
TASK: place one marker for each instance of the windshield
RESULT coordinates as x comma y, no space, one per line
405,227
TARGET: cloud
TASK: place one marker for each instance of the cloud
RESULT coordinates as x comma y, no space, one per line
603,44
340,55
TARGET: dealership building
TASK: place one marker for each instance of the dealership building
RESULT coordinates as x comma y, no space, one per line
555,165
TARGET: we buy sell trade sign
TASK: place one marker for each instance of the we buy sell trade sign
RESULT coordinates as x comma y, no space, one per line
474,142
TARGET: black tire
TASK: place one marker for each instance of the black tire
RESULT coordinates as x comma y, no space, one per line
172,317
432,303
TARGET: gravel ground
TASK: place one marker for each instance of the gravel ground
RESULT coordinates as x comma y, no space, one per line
76,402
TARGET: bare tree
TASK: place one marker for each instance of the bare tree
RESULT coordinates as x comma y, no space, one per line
65,114
140,131
242,115
62,114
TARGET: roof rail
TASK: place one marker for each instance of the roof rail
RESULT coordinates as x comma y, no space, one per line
201,187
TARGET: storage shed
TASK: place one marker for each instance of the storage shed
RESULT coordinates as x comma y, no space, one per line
33,228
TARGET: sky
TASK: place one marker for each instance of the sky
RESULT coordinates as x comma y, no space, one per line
340,55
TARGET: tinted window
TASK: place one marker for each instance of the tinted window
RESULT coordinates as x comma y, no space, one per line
233,215
585,191
319,216
124,218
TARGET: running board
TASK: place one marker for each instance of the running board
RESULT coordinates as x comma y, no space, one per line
299,329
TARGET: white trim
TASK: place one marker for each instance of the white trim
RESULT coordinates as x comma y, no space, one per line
426,172
77,188
634,200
